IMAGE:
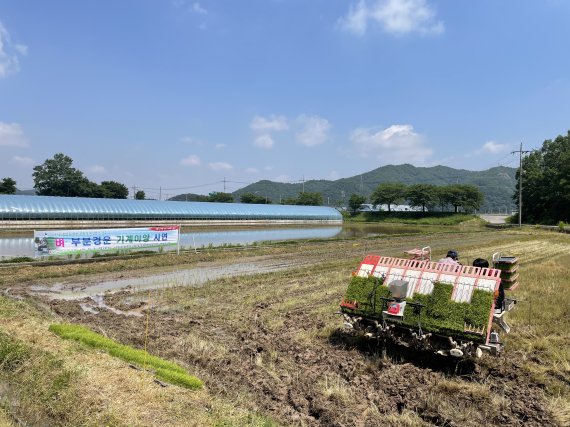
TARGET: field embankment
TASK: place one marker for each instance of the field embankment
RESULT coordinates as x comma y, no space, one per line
270,350
418,218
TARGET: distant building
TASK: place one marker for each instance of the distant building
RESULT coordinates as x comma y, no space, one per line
368,207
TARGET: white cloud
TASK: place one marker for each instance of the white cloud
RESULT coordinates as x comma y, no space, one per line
97,169
264,141
188,6
334,175
21,49
396,17
356,20
314,130
268,168
252,170
9,53
220,146
395,144
281,178
272,123
11,134
192,160
23,161
220,166
491,147
198,9
191,141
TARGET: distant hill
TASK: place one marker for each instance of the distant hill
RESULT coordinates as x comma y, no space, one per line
25,192
498,184
188,197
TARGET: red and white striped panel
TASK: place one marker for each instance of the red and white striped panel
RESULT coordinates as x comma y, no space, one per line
421,275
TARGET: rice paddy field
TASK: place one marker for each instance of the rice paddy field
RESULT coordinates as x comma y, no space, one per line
262,346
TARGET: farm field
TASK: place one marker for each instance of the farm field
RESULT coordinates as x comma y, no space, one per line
269,347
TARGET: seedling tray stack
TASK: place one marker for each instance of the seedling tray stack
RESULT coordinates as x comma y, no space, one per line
509,271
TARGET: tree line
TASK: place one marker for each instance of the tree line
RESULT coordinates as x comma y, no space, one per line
306,198
424,196
546,183
58,177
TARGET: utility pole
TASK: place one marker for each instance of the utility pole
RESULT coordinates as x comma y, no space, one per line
134,191
521,152
303,181
360,184
160,193
224,184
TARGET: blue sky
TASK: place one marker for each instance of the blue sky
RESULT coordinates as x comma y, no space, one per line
182,94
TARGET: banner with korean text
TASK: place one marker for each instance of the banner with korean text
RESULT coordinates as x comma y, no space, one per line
65,242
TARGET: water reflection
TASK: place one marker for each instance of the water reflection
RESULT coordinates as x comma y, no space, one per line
247,237
23,246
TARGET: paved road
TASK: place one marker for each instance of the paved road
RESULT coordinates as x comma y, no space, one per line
494,218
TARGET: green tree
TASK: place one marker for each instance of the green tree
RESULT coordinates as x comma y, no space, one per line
355,203
472,198
388,193
221,197
466,196
140,195
546,183
7,186
310,199
442,197
114,190
289,201
57,177
254,198
421,195
455,196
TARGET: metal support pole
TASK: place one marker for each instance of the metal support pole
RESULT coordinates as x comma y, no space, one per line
521,152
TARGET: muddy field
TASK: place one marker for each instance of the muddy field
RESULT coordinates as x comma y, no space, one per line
272,343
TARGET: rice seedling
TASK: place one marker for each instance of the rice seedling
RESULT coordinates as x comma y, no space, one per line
165,370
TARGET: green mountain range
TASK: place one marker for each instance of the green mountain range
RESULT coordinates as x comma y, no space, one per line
498,184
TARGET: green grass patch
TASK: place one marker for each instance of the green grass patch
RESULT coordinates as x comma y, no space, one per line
17,260
440,315
420,218
165,370
39,382
12,353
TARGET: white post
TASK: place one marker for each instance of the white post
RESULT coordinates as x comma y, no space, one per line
179,232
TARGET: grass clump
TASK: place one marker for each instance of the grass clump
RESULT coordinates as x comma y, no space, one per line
17,259
420,218
12,353
165,370
41,389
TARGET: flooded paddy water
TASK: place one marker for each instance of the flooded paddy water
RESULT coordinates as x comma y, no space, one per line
17,245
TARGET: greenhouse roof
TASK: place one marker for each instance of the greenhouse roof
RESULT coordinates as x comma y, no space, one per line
47,207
